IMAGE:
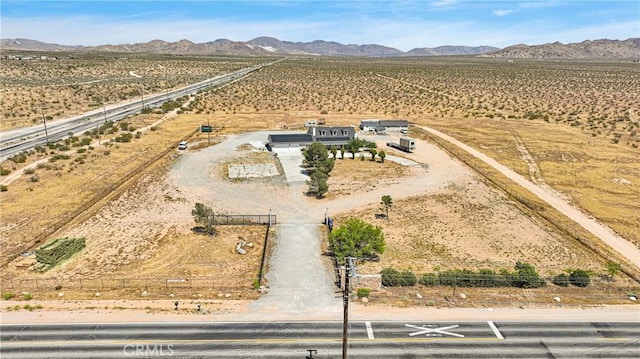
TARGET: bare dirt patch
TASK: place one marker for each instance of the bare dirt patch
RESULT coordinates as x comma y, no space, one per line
357,176
147,233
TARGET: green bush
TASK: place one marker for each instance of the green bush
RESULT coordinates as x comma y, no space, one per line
580,278
18,158
393,278
429,280
26,296
561,280
3,188
58,158
4,171
408,279
390,277
448,277
125,137
7,296
363,292
526,276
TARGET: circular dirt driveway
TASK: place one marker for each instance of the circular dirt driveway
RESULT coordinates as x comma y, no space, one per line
299,277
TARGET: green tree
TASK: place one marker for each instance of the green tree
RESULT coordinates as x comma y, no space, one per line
613,269
318,183
203,215
342,150
382,155
317,158
353,146
334,151
386,202
373,153
316,152
356,238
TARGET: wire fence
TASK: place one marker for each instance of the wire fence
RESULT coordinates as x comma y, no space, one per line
111,283
244,219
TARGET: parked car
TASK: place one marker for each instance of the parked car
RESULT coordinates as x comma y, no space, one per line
182,145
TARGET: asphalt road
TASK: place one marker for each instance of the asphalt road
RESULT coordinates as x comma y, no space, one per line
294,339
23,139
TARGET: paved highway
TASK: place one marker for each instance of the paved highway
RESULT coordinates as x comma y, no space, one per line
293,339
19,140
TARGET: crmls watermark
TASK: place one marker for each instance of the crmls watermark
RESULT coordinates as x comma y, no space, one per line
148,350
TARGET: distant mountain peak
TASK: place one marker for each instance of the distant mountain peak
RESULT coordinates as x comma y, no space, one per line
600,48
262,45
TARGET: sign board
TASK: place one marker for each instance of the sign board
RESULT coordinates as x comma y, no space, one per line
205,128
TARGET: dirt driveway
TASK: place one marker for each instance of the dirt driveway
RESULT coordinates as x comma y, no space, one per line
299,278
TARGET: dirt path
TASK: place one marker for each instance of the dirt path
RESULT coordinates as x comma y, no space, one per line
136,311
619,244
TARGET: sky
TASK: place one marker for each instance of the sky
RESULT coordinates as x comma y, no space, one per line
401,24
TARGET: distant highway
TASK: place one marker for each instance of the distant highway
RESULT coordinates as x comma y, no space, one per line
23,139
419,339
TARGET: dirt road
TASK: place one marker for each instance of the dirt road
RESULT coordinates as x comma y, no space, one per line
619,244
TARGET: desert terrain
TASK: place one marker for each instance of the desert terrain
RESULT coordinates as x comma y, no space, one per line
132,201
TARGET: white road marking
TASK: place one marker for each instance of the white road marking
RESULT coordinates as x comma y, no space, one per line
495,330
369,330
431,331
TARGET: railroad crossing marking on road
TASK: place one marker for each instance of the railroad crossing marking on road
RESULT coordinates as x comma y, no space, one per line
432,332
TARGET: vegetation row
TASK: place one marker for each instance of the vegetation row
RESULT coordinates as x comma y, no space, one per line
524,275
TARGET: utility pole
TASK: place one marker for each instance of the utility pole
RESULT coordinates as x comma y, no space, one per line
46,134
345,300
104,113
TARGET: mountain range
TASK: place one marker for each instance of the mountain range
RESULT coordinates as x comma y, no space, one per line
629,48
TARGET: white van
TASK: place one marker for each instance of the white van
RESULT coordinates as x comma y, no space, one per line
182,145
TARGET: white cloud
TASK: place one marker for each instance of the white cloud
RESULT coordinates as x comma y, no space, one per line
443,3
539,4
503,12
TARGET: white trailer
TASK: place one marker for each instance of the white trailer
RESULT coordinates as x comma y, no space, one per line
406,144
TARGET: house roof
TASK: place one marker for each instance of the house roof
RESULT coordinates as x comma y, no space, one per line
369,122
291,137
351,132
394,123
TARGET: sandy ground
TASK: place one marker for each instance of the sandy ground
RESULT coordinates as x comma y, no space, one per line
619,244
130,229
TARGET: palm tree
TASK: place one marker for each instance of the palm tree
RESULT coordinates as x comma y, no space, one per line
613,269
334,151
382,155
387,202
373,154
